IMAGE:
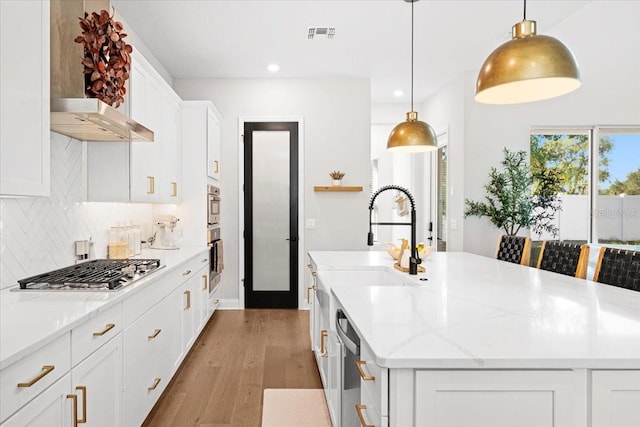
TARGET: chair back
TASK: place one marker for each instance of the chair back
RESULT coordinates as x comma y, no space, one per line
618,267
565,258
515,249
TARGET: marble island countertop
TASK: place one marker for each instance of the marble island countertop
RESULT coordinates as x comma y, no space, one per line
31,319
479,313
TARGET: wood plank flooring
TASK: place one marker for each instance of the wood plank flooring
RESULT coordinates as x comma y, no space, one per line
239,353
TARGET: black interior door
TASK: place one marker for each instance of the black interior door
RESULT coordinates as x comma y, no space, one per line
271,214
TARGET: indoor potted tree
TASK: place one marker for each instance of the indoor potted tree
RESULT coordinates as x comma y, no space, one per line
516,198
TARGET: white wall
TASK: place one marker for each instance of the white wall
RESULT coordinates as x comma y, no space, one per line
337,127
477,133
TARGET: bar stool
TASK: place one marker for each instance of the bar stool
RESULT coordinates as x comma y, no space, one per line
565,258
514,249
618,267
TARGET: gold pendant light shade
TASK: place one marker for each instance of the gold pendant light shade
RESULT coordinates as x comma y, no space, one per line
528,68
412,136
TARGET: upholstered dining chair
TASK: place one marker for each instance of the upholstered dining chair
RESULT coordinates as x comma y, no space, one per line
514,249
618,267
565,258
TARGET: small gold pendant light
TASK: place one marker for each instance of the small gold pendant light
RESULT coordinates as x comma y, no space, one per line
527,68
413,135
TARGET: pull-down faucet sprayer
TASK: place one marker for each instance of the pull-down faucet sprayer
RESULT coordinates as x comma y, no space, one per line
414,260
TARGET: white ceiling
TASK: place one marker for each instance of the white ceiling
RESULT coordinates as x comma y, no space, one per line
238,38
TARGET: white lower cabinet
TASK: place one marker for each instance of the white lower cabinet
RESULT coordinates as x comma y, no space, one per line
50,409
333,388
500,398
615,397
96,393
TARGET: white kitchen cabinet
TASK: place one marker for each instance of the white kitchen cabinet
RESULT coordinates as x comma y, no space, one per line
615,398
500,398
24,105
97,385
314,315
141,171
50,409
333,388
213,143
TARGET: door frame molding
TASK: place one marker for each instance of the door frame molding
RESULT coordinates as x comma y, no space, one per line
301,186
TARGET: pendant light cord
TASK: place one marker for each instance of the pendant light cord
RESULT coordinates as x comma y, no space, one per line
412,54
525,10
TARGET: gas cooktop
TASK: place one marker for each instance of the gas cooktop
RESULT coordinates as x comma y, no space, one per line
95,275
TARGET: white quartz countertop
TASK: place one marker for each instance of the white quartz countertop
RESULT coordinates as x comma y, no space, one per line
477,312
31,319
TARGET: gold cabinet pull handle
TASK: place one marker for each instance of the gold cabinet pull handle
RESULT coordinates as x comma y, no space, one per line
205,283
204,260
152,184
83,391
46,369
216,166
156,381
188,294
155,334
74,399
216,301
363,375
359,408
308,297
186,273
107,328
323,337
174,189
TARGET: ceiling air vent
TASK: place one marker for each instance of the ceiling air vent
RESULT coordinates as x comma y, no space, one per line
321,33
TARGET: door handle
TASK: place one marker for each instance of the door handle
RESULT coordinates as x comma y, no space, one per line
292,239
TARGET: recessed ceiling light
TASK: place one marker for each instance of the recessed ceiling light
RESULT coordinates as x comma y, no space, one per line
273,67
398,93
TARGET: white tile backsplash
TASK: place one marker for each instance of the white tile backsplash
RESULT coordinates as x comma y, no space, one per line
37,234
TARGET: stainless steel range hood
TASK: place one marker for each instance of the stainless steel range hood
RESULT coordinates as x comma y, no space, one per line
72,113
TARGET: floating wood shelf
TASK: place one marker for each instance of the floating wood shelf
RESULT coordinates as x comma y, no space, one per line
337,188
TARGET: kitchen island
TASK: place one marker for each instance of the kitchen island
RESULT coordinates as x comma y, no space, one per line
476,341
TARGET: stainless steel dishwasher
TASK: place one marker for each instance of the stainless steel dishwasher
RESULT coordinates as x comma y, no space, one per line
350,378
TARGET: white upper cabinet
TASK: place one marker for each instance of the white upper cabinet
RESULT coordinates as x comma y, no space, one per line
24,111
213,143
141,171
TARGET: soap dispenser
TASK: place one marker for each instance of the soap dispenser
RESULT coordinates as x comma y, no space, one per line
405,254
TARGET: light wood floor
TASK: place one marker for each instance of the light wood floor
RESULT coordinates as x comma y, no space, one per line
239,353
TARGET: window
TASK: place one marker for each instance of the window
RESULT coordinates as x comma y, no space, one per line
609,215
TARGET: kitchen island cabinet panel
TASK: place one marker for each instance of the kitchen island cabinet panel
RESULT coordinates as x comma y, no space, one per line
213,143
24,105
495,398
615,398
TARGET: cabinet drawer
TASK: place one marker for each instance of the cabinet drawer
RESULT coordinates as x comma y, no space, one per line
25,379
94,333
136,305
374,381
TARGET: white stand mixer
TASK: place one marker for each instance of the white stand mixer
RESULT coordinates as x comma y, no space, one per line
166,234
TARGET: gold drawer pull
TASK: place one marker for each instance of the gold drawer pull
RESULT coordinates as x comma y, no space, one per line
74,397
314,273
152,184
186,273
156,381
359,408
308,297
205,283
216,301
188,294
155,334
204,260
216,166
174,189
107,328
45,370
323,337
364,376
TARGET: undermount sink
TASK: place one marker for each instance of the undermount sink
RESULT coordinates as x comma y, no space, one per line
366,277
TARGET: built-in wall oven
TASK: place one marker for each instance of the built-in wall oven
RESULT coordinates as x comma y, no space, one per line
216,258
213,205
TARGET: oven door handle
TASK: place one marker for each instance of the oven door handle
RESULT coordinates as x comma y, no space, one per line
348,342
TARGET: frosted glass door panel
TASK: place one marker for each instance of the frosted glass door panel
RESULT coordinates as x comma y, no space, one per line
271,248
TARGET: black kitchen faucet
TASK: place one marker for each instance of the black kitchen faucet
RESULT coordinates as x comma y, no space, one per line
414,259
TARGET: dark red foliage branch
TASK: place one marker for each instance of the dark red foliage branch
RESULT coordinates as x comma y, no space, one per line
107,57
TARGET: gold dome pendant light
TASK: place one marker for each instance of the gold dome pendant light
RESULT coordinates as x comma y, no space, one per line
527,68
413,135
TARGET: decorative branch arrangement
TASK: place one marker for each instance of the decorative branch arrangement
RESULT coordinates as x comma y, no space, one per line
107,59
337,175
